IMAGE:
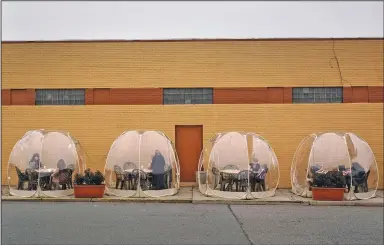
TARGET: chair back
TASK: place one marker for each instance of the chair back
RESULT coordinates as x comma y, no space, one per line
244,175
215,171
65,176
19,173
118,169
262,173
32,175
143,175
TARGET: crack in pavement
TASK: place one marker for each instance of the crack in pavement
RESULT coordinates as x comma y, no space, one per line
241,225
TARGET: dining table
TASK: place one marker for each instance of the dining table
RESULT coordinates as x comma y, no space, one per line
45,177
148,171
129,171
234,176
230,171
43,172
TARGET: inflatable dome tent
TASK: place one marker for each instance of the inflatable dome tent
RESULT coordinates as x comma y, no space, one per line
238,165
43,163
344,154
142,164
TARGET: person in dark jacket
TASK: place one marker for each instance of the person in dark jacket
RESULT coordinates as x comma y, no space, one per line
158,170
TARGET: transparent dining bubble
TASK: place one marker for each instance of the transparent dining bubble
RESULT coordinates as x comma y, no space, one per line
238,165
142,164
338,160
43,163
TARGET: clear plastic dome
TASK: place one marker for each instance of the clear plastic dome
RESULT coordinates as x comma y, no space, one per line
238,166
43,163
142,164
344,155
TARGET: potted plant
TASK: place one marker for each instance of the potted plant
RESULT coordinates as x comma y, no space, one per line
89,184
329,186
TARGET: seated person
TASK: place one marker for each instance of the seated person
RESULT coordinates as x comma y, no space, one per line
357,170
260,177
358,175
263,172
56,175
35,162
347,174
254,165
344,170
259,174
315,168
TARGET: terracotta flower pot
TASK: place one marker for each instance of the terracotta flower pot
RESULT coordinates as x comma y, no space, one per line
89,191
328,194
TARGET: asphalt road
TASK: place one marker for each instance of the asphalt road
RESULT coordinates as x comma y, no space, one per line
127,223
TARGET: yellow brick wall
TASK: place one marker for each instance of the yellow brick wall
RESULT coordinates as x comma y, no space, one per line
283,125
256,63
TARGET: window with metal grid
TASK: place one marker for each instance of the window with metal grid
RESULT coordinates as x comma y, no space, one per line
173,96
317,95
60,97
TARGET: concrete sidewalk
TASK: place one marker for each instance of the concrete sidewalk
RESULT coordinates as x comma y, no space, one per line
192,195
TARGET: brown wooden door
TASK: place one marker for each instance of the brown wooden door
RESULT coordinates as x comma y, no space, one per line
189,143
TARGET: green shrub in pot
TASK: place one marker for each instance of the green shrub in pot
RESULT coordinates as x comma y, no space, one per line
89,178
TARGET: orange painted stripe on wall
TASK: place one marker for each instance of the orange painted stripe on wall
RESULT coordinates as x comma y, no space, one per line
363,94
6,97
154,96
18,96
276,95
124,96
375,94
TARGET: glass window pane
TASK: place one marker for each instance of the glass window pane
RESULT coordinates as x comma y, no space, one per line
188,96
317,95
60,97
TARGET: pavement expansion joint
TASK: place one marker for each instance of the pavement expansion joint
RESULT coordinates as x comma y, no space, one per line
241,224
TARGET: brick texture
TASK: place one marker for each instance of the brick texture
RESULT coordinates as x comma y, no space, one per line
221,64
240,95
143,96
287,95
123,96
5,97
101,96
283,125
375,94
23,97
154,96
89,96
360,95
275,95
347,94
